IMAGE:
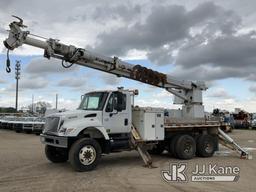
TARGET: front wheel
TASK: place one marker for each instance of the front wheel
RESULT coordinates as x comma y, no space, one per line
56,154
85,154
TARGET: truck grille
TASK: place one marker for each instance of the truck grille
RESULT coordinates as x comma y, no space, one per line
52,124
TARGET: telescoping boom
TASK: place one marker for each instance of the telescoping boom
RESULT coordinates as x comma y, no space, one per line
188,93
113,123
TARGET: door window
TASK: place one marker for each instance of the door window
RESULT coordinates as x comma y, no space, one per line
116,101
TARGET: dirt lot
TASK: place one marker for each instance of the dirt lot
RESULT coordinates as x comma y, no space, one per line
23,167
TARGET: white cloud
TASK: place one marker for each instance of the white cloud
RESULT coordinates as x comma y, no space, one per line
72,82
68,104
219,92
2,81
44,66
110,79
252,88
33,83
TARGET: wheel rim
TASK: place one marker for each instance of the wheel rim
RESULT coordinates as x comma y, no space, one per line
188,147
87,155
208,147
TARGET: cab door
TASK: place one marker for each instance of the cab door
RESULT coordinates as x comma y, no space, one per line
116,117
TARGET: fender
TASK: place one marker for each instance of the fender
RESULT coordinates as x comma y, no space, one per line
76,122
102,130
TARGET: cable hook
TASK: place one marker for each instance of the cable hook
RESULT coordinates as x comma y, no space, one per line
8,63
64,65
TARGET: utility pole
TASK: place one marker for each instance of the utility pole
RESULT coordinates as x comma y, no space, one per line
17,77
32,103
56,101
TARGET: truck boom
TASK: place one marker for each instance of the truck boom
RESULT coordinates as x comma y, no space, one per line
187,93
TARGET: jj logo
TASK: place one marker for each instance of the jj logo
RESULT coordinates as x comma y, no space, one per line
176,173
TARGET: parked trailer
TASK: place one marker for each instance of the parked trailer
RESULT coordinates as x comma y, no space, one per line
18,126
10,122
32,124
24,124
7,122
1,119
38,125
4,123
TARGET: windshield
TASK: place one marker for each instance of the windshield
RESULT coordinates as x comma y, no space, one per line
93,101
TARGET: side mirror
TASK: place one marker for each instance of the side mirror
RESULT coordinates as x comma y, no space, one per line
114,112
118,108
109,108
82,96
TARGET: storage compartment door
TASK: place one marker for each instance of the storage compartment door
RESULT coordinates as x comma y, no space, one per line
159,126
150,126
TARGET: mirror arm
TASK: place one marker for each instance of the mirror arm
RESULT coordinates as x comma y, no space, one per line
111,114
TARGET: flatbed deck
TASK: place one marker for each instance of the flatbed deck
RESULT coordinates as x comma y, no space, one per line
180,124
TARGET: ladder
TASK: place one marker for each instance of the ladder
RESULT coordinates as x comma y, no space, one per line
228,142
140,146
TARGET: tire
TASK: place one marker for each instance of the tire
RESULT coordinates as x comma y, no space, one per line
56,154
172,144
157,149
82,148
185,147
205,146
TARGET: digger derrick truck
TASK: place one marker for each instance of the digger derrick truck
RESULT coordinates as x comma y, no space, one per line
107,121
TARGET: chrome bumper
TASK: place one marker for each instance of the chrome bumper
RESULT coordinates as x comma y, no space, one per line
56,141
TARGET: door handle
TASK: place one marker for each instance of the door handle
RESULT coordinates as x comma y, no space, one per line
125,121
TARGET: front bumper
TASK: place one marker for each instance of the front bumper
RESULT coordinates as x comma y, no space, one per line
56,141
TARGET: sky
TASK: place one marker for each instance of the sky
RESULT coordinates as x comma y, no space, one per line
211,41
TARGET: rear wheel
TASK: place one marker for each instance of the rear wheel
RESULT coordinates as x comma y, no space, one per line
205,146
56,154
85,154
185,147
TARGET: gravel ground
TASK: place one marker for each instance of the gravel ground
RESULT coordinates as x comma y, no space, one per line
23,167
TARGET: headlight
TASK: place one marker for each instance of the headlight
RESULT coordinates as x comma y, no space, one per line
66,131
69,130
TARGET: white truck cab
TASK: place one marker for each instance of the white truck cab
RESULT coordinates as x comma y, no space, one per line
104,116
107,111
